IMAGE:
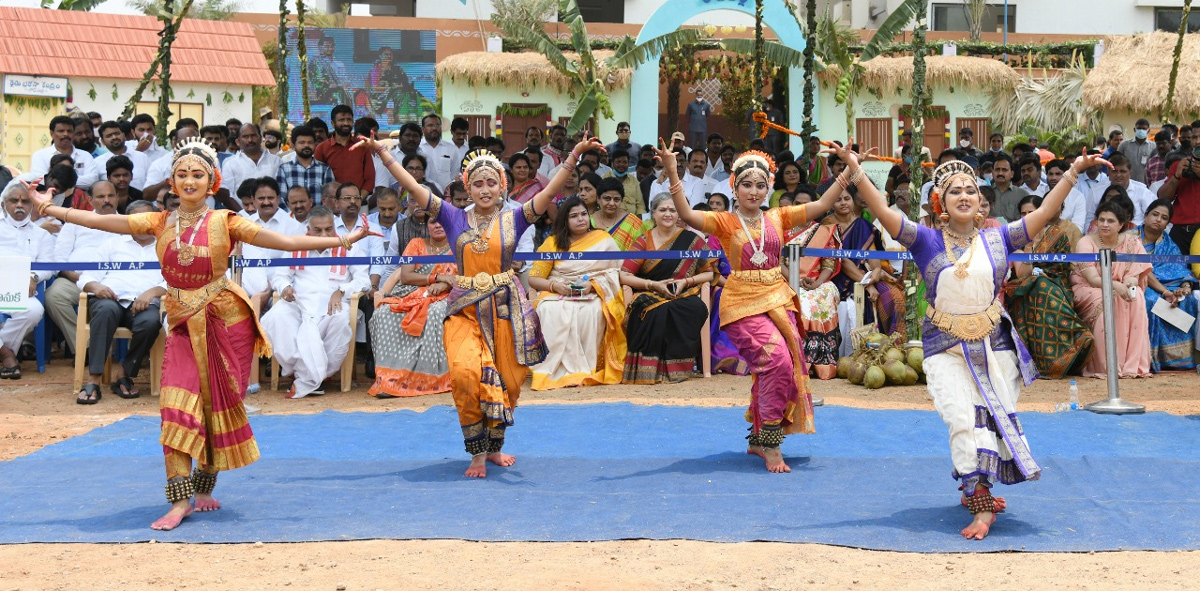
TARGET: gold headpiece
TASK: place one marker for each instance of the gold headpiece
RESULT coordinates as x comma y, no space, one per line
752,162
943,175
482,161
197,151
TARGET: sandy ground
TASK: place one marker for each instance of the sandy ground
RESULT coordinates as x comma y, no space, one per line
39,411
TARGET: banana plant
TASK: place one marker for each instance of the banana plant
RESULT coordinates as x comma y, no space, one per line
591,77
834,43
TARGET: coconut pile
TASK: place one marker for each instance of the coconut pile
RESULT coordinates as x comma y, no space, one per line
880,360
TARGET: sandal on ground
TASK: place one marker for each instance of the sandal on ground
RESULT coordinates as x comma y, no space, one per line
90,394
10,373
124,388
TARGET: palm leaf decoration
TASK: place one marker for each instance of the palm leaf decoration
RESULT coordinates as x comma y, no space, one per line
773,52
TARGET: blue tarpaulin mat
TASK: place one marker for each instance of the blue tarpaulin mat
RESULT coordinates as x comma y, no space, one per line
874,479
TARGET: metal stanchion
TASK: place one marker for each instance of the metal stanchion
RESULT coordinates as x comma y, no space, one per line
1114,405
235,265
794,281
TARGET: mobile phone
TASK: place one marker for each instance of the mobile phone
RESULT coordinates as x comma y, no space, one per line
673,288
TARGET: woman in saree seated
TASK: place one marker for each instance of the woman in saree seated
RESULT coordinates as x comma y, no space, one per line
410,309
1129,294
666,314
1042,305
625,228
885,294
525,179
819,299
1170,348
580,305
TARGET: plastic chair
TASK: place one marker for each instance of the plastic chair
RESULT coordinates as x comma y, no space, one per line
83,334
705,331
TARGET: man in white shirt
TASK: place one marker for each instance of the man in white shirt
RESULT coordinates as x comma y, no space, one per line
443,167
713,148
1031,176
310,327
250,162
114,140
257,280
408,144
1120,175
348,220
77,243
62,135
124,298
144,140
387,213
693,186
299,202
19,236
554,154
1075,206
696,184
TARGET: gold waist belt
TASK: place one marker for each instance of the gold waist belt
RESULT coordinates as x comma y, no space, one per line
484,281
968,327
194,298
758,275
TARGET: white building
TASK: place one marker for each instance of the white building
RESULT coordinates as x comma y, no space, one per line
1076,17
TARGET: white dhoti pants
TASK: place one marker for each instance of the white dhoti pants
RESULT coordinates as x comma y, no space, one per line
18,324
311,348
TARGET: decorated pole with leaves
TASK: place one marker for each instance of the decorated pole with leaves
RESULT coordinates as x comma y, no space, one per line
164,72
302,57
758,58
920,101
281,68
1168,107
810,47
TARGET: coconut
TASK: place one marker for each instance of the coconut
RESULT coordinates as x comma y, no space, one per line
875,378
910,375
916,360
857,371
843,367
875,339
894,370
893,353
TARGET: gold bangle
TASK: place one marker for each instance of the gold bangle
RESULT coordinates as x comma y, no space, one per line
66,216
345,240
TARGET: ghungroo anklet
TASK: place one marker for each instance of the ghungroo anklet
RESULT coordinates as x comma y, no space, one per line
203,483
179,489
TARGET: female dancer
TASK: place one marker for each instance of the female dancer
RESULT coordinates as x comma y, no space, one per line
974,359
212,334
758,308
492,332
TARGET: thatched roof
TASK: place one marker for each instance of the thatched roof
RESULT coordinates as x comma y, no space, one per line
892,74
1134,71
520,70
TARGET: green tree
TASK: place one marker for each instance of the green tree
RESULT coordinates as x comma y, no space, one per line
836,43
1168,107
920,100
531,14
589,76
171,15
208,10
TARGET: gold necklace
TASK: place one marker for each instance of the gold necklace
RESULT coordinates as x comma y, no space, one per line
961,240
186,253
482,231
435,249
1103,246
960,267
187,219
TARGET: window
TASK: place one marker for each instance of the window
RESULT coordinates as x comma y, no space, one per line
874,132
1167,19
380,7
953,17
602,11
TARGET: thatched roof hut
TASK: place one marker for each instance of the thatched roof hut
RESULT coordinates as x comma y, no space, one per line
894,74
522,70
1134,71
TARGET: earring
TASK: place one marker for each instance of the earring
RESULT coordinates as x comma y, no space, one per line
979,219
945,217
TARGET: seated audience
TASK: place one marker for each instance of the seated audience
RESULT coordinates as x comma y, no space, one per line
121,299
1170,348
666,315
19,236
580,305
624,227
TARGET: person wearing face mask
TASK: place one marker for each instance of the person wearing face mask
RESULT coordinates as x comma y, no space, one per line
631,199
1138,150
1187,137
966,143
995,148
20,237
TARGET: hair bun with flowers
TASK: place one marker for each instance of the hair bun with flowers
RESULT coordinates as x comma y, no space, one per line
197,151
750,162
481,160
942,176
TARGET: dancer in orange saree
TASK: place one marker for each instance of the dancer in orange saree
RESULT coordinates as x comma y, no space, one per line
492,331
758,308
212,333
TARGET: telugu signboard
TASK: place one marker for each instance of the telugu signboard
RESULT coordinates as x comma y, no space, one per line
42,86
14,283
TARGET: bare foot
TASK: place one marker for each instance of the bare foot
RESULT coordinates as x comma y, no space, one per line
478,467
980,526
179,511
774,459
500,459
206,503
755,450
1001,505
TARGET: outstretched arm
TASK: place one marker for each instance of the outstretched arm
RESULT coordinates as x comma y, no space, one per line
541,201
691,217
115,223
818,208
892,220
1053,202
274,240
420,193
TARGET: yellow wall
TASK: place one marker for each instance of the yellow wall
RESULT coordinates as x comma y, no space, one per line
26,128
